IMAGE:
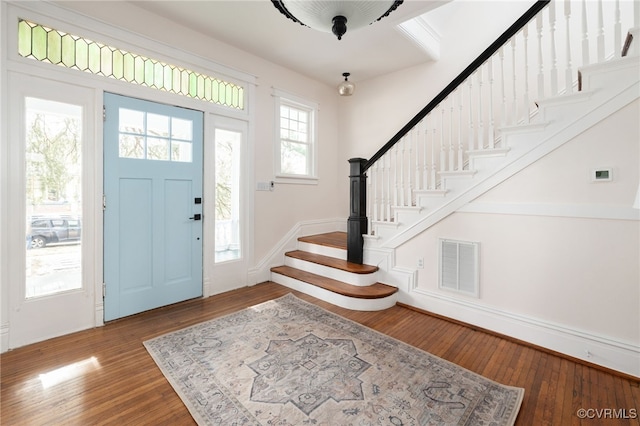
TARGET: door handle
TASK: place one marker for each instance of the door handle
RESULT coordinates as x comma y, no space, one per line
197,216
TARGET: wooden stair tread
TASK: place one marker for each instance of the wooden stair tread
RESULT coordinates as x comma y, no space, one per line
373,291
330,239
332,262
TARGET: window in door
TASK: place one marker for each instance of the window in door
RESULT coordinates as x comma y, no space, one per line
53,148
144,135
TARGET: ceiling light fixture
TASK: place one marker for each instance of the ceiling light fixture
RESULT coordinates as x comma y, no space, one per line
346,88
333,16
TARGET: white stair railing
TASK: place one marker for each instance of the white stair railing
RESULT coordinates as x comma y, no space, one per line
502,92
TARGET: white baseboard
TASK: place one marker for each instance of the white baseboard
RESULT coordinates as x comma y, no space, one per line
4,337
262,271
596,349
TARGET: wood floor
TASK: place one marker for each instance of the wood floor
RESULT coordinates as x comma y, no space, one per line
111,380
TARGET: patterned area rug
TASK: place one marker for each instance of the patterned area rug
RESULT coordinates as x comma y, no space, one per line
288,362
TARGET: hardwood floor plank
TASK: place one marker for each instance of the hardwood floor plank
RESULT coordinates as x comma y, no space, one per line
122,385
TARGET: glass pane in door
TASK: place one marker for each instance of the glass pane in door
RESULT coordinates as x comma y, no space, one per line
53,141
227,201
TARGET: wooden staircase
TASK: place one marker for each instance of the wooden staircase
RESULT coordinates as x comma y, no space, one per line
319,268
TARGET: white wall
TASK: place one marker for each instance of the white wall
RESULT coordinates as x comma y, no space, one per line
380,107
553,247
275,213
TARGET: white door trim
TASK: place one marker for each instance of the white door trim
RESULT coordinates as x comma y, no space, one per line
56,318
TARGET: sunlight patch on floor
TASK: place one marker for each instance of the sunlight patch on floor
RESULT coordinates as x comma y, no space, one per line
69,372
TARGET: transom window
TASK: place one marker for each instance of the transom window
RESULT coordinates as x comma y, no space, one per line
296,137
56,47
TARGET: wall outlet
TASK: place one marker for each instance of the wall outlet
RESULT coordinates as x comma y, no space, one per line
420,262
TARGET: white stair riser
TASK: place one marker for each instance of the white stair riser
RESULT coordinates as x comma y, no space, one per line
383,231
347,302
407,216
322,250
483,164
455,184
336,274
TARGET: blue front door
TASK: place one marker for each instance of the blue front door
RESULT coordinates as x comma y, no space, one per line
153,205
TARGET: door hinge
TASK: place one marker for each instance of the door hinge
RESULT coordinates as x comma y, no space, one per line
104,202
104,113
104,290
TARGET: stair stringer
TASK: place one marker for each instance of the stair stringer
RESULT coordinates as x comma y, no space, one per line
570,119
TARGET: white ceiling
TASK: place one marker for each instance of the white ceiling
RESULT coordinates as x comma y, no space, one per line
259,28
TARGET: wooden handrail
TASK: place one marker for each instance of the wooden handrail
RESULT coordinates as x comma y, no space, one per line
473,66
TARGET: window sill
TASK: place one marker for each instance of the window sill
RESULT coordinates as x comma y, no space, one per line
296,180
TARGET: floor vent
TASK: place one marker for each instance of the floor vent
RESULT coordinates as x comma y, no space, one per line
458,267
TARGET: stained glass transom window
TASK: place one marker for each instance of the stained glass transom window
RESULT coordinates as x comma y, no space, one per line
46,44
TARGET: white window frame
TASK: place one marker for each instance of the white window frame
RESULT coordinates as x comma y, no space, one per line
288,99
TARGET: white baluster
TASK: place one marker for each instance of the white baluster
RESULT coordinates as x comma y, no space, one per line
434,166
600,39
569,71
392,180
585,35
554,56
514,106
388,201
400,167
375,171
443,164
470,135
480,141
452,156
491,130
525,101
410,170
397,173
380,212
540,57
503,110
617,32
460,138
425,150
417,179
425,161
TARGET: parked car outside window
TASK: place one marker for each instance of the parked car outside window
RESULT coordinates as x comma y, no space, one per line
46,230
